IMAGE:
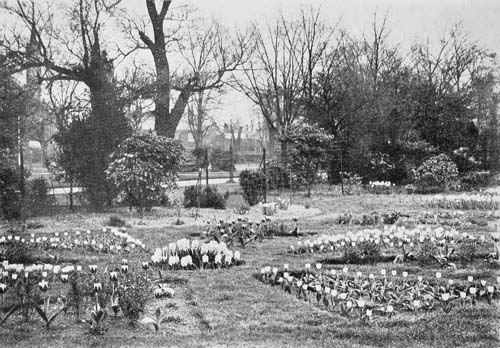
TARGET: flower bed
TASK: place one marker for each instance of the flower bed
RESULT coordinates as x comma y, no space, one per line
363,296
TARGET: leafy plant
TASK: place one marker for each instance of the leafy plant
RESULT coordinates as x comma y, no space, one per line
157,320
253,184
206,197
46,314
143,168
132,296
436,173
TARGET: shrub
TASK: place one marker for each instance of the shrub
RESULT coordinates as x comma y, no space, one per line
116,221
206,197
221,160
143,168
38,199
436,173
253,184
474,180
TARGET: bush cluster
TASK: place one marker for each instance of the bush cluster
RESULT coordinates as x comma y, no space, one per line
206,197
435,174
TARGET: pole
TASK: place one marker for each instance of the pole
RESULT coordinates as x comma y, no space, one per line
231,162
206,165
341,171
265,176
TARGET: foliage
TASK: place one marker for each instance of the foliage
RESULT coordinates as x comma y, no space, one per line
10,200
253,184
38,199
84,147
143,168
203,197
116,221
474,180
437,172
221,160
308,151
133,294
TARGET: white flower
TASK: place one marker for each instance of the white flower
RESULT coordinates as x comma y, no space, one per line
44,285
318,266
472,291
369,313
204,259
445,296
470,279
186,261
218,258
308,266
394,273
389,309
405,274
237,255
383,272
438,275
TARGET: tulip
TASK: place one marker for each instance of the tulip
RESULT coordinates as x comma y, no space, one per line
97,287
43,285
158,292
318,266
470,279
405,274
93,268
3,288
64,277
145,265
14,276
124,268
472,291
308,266
394,273
369,313
389,309
445,296
463,294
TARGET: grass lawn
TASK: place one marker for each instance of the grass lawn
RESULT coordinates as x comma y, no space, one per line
231,308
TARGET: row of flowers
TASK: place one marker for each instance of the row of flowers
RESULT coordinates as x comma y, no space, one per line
378,294
193,254
404,242
465,202
110,240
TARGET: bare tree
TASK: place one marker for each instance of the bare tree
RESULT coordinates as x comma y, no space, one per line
278,78
218,54
199,116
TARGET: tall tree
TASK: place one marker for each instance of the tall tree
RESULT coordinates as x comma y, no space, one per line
209,53
279,75
75,53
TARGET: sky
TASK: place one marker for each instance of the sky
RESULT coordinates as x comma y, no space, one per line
408,20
